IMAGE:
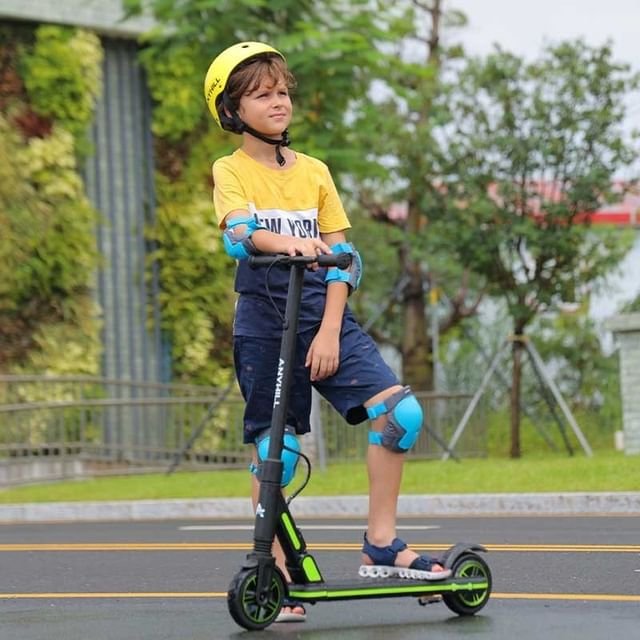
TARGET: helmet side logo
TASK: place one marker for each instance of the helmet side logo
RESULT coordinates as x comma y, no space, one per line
216,82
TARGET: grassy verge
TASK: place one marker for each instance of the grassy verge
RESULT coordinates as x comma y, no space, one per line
606,471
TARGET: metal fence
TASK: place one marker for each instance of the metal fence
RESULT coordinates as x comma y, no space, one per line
340,442
52,428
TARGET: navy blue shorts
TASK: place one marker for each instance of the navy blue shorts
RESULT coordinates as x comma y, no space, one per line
361,375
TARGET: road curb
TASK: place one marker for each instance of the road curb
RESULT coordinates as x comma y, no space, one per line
529,504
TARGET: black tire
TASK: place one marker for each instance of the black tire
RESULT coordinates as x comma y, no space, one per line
243,603
466,603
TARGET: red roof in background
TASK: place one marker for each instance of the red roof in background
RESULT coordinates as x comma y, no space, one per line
625,212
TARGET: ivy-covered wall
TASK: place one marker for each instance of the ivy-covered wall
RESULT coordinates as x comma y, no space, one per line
158,260
196,275
49,79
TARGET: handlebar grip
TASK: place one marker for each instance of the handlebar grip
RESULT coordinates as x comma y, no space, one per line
340,260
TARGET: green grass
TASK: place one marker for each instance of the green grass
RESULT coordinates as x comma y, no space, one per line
605,471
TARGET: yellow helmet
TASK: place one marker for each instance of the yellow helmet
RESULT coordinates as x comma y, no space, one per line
222,67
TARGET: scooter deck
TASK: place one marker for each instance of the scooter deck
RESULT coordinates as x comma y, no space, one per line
382,588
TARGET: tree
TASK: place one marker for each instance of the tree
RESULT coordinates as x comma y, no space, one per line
530,152
328,46
399,129
633,306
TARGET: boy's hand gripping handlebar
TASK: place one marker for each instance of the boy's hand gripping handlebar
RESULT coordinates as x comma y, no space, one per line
340,260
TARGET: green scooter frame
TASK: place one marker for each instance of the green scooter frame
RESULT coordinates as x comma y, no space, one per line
257,591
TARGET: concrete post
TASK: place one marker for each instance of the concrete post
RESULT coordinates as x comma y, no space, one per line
626,329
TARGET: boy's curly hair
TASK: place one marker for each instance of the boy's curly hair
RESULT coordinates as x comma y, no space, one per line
248,76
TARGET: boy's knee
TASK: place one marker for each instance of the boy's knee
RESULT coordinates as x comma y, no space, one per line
404,421
289,456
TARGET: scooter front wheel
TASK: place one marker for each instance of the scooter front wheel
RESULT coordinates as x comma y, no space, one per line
463,602
242,599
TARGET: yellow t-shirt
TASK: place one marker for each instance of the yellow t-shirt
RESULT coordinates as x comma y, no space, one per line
301,201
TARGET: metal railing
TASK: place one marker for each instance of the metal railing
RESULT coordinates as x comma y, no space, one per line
61,427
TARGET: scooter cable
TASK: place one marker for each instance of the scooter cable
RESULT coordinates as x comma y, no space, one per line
301,488
266,282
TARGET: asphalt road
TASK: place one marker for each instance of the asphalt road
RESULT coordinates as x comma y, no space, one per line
554,577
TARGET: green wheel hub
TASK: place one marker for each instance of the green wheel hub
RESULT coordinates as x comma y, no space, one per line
242,599
468,602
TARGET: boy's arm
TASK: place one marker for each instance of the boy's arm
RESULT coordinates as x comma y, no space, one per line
323,357
337,292
268,242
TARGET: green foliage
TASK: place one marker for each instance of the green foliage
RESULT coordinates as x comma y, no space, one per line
325,43
532,150
175,81
195,274
435,145
63,76
606,471
48,320
569,340
59,255
48,250
632,307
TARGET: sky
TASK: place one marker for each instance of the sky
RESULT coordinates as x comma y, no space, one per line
524,28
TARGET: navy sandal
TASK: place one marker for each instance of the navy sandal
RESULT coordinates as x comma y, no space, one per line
291,615
384,558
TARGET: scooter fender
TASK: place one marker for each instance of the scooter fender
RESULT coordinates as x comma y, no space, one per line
453,553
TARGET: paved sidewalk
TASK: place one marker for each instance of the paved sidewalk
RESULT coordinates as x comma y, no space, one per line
627,503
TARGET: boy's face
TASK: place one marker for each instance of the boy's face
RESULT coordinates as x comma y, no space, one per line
268,108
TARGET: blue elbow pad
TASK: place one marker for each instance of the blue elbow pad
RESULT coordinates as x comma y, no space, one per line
240,246
353,274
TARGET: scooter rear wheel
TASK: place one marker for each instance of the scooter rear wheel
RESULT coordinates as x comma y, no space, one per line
242,599
466,603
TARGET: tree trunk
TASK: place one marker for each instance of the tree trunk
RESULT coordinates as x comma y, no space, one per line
516,351
417,361
417,358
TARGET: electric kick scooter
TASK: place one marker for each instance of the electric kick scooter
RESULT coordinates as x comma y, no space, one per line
257,591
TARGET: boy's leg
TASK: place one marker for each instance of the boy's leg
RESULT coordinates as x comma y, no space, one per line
256,366
385,476
277,549
278,553
363,381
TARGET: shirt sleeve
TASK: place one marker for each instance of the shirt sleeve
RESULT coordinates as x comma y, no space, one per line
331,213
228,192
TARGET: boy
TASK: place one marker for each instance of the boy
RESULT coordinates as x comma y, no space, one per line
270,199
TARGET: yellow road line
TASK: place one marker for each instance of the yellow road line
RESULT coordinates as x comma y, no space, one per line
114,596
241,546
586,597
590,597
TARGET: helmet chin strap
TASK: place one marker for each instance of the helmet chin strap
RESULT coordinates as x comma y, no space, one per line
283,142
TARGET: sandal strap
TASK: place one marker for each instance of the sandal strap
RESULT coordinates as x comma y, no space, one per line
288,602
384,555
424,563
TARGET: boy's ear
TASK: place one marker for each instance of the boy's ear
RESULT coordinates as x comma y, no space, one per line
229,118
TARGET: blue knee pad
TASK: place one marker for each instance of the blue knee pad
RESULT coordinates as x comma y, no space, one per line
289,455
404,421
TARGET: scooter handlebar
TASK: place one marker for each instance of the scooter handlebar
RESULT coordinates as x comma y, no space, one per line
340,260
